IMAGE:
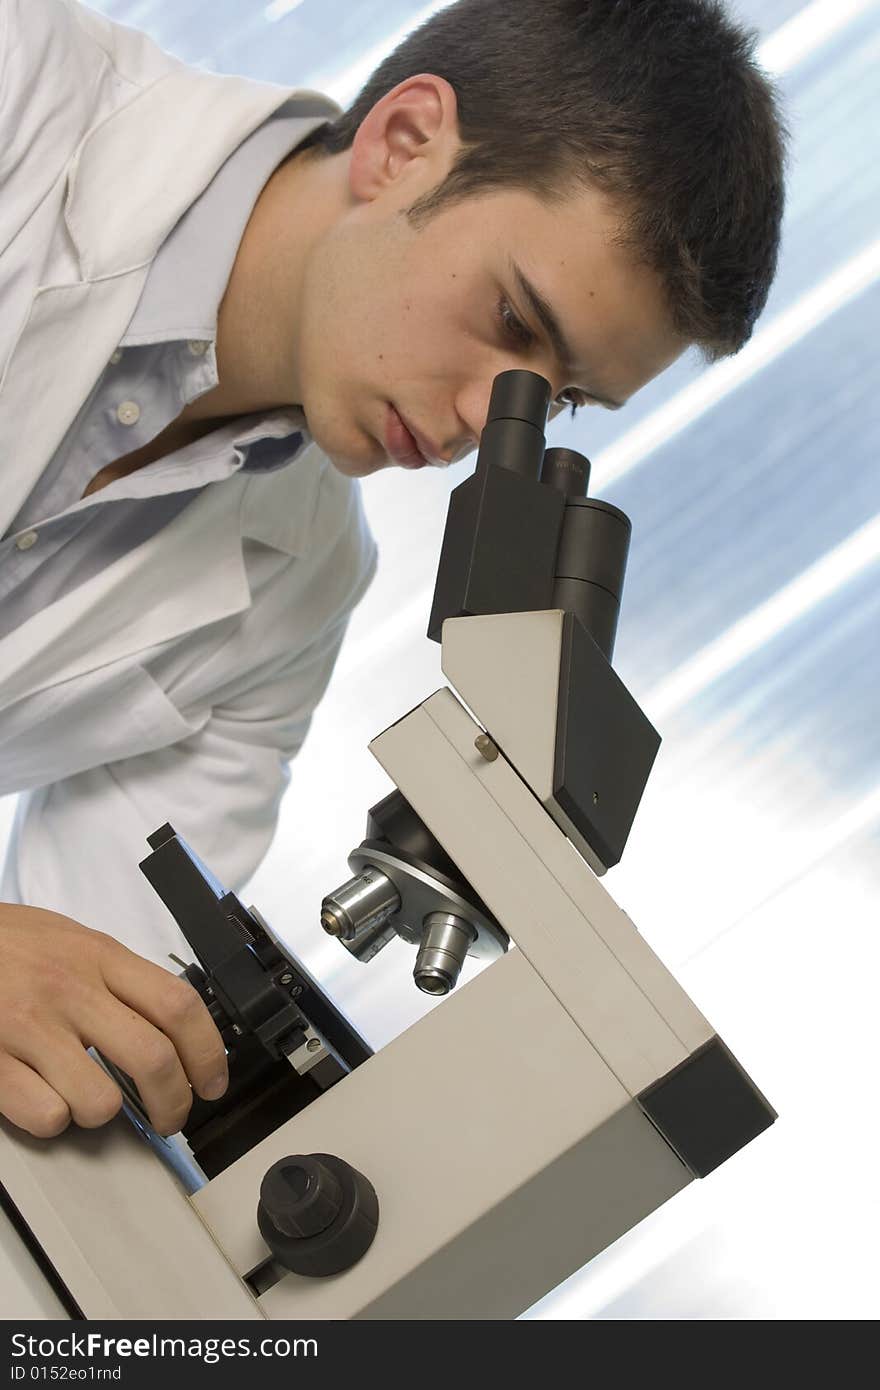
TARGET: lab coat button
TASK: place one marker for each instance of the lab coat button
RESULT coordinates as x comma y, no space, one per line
116,356
128,413
197,347
26,540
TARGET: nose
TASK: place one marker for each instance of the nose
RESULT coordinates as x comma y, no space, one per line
472,407
472,404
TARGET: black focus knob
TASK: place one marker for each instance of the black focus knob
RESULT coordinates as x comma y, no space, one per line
317,1214
301,1196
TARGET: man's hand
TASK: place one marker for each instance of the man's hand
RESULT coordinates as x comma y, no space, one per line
65,988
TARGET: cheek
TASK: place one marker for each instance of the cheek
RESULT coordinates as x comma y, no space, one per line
427,342
387,315
333,319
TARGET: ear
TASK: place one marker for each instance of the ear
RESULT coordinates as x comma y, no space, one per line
410,135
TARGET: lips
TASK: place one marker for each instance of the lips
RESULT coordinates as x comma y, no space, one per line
401,443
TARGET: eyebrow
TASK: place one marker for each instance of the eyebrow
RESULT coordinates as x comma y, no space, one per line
546,316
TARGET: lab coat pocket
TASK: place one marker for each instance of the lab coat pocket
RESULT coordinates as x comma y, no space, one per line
93,719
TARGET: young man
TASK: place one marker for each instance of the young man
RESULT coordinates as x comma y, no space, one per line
222,303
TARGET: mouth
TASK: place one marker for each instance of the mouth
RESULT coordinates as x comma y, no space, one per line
402,444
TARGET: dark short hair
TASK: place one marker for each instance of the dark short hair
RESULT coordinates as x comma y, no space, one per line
659,103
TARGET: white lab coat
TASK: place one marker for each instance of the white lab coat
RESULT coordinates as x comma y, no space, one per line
176,684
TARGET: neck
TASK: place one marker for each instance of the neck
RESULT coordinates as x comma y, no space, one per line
258,315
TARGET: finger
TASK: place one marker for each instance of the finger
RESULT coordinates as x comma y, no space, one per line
148,1056
56,1057
29,1101
177,1010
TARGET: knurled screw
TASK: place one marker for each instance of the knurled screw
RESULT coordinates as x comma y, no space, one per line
485,747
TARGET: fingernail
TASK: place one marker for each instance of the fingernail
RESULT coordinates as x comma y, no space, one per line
214,1089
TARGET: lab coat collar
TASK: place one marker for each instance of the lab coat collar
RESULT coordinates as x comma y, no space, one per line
113,214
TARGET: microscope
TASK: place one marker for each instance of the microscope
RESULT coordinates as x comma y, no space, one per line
550,1103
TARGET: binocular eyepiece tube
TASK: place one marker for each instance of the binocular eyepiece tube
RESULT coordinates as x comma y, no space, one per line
513,435
593,543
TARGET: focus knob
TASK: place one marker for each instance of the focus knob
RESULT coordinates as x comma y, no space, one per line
317,1214
301,1196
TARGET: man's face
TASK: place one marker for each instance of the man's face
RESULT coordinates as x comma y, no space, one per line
403,329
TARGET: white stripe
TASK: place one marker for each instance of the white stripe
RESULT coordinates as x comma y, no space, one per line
845,283
399,627
806,32
345,86
811,587
809,851
279,8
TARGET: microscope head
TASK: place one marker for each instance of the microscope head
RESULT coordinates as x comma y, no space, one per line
527,599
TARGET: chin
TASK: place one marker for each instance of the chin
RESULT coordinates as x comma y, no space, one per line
356,456
354,468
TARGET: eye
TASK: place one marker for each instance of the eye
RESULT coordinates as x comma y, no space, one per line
512,326
522,337
574,398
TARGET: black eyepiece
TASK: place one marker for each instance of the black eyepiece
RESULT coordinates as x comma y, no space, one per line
520,396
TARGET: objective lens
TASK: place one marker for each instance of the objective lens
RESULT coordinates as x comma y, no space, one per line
358,913
445,944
